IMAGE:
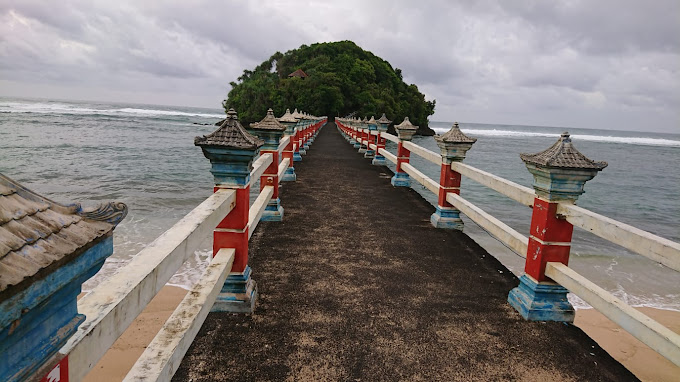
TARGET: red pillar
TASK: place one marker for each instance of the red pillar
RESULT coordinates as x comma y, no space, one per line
270,177
549,239
403,156
232,231
449,181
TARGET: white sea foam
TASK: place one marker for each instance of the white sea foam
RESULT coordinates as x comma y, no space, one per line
594,138
60,108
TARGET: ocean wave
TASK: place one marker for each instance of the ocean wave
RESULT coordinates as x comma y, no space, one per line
584,137
59,108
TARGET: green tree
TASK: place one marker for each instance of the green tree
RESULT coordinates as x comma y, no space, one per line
343,79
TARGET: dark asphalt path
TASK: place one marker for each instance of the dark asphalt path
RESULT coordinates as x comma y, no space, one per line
356,285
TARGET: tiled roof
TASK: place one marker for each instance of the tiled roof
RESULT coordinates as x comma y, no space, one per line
38,235
231,134
406,125
384,120
454,136
298,73
288,117
562,154
269,122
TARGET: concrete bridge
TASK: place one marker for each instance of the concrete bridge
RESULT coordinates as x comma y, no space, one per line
352,275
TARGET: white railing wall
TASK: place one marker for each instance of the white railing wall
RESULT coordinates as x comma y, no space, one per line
661,250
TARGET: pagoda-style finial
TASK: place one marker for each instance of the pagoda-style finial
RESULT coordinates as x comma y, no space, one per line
230,134
230,149
269,122
406,130
289,121
561,171
454,144
383,123
383,120
270,130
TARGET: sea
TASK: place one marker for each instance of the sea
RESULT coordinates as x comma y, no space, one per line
143,155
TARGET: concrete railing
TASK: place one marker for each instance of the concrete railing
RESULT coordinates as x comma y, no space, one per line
557,216
114,304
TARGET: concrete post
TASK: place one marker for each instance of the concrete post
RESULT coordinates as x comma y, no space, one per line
453,144
363,135
270,131
560,174
231,150
289,122
383,123
405,132
355,126
372,127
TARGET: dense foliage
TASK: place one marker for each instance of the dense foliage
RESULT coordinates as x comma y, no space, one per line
343,79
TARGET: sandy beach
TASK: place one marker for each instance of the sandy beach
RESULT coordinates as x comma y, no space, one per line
637,357
644,362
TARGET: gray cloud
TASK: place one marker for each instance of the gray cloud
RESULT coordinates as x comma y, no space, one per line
579,63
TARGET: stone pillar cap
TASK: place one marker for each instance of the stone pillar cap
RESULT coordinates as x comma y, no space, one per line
406,125
287,117
454,136
562,154
268,123
230,134
384,120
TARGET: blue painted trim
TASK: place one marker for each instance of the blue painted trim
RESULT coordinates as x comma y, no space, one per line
297,157
541,302
289,175
401,179
36,322
238,294
446,218
369,153
273,212
379,160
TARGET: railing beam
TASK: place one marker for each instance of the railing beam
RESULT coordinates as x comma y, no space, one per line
515,240
258,207
112,306
646,244
163,355
663,340
514,191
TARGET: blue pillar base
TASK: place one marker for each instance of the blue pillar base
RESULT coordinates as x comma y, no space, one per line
306,146
289,175
352,141
238,294
297,157
541,302
302,151
401,179
369,154
379,160
273,212
356,144
446,218
362,150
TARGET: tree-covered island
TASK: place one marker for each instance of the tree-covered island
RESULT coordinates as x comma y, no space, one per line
333,79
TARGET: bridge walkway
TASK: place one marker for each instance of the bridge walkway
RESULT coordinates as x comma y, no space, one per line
356,285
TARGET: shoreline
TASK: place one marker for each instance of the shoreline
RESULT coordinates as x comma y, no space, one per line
644,362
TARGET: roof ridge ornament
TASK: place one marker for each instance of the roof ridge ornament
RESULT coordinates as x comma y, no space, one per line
563,154
231,134
269,122
561,172
454,135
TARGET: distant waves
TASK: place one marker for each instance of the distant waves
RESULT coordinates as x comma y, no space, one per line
593,138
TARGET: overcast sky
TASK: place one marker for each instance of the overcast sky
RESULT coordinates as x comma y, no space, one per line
612,64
